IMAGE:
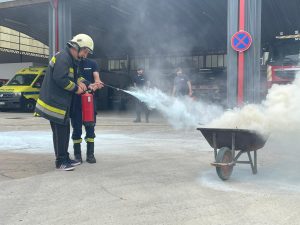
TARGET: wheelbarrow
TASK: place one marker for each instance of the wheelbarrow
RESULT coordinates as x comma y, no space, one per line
226,142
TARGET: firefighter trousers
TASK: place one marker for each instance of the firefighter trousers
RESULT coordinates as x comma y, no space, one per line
77,124
61,137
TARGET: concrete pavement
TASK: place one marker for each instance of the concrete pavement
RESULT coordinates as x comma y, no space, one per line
145,174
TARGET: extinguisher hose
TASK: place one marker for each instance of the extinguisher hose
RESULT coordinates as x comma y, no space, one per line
118,89
106,85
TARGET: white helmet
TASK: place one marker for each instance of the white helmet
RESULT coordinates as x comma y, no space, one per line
82,41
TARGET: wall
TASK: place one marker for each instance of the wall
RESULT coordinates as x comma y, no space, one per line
8,70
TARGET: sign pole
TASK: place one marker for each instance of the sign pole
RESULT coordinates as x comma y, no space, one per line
241,56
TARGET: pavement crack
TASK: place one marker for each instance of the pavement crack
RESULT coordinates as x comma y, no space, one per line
112,194
3,175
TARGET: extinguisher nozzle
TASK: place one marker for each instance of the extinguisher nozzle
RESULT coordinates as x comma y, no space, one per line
118,89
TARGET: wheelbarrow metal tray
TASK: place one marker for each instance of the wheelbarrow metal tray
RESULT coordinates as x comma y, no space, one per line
245,140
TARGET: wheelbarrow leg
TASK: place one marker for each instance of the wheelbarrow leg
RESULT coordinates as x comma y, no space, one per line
253,165
255,162
215,144
233,145
216,153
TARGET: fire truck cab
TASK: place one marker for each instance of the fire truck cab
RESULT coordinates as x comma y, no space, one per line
283,65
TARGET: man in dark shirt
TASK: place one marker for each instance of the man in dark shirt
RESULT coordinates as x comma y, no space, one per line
90,72
182,84
140,81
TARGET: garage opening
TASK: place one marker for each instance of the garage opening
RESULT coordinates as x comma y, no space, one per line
161,36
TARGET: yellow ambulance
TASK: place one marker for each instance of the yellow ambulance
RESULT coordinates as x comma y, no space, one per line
22,91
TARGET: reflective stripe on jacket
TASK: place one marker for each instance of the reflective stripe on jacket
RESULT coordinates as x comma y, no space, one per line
58,87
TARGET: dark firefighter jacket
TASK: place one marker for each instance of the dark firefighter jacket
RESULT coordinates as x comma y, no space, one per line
58,87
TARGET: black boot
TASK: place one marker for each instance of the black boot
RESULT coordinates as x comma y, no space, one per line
137,121
90,158
77,152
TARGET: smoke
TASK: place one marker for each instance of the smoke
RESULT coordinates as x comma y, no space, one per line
279,113
158,27
181,113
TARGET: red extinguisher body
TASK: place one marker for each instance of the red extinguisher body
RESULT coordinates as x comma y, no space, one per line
87,104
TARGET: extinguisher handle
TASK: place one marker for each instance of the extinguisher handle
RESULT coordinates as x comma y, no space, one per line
89,91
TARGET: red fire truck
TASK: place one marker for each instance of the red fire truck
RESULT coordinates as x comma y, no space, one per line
284,62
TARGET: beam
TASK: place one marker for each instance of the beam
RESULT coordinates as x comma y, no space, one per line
17,3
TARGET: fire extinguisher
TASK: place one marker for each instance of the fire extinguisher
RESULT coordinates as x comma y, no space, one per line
87,104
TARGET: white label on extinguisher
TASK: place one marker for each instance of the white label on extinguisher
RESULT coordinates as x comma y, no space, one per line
89,99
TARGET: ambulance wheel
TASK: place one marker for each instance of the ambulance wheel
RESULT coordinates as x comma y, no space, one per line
29,105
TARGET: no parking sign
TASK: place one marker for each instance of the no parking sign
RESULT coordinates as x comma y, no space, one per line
241,41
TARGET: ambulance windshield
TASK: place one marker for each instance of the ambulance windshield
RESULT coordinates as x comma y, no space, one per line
22,80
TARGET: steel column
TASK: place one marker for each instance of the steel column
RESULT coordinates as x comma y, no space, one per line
243,69
252,84
60,26
232,27
51,28
64,23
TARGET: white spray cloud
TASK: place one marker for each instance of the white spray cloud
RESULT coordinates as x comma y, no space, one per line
181,113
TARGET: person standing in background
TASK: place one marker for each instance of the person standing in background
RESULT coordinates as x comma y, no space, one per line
140,81
182,84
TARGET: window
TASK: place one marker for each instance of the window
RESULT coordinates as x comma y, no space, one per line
117,64
22,80
141,62
220,60
123,64
214,61
39,81
201,61
208,61
171,60
196,62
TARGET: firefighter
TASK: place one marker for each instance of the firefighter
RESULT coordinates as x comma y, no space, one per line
61,83
182,84
140,81
90,72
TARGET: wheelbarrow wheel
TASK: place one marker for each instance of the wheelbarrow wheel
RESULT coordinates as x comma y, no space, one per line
224,156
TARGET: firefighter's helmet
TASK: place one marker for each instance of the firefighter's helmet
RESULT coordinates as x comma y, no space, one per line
82,41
